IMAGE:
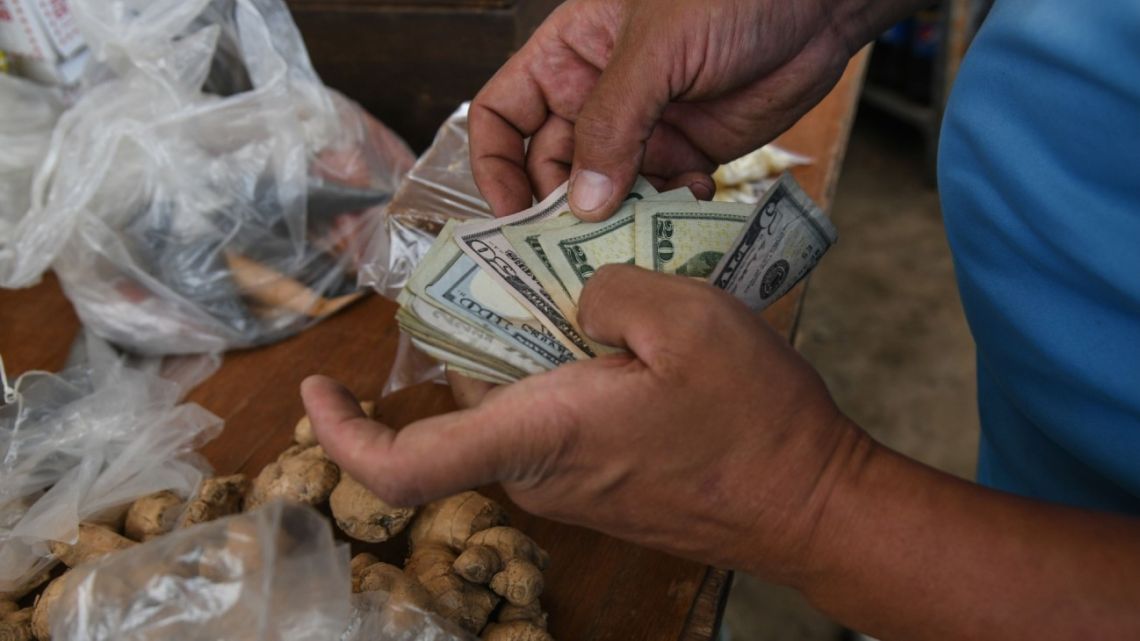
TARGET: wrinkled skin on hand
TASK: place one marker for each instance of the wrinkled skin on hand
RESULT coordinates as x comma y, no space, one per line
669,88
711,438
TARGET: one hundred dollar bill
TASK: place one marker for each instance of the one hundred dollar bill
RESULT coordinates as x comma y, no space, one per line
688,240
484,242
784,238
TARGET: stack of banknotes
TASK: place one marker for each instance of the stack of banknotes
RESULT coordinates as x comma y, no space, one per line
497,299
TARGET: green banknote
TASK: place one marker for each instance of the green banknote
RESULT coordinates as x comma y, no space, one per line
497,299
688,240
783,239
576,252
451,281
485,243
524,238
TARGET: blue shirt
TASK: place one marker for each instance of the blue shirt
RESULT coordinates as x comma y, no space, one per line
1039,170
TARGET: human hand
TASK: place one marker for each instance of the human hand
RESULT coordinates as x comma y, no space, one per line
710,439
607,89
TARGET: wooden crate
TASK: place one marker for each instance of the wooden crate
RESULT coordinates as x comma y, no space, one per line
411,63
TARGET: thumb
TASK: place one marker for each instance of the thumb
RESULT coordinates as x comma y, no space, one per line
426,460
613,126
634,308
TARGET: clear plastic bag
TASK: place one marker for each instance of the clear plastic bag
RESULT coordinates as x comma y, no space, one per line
378,617
206,191
84,443
412,367
28,113
438,188
274,573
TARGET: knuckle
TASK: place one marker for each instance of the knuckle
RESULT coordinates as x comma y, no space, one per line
605,134
700,315
598,290
671,364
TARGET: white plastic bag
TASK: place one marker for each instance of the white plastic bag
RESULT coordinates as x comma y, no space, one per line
206,191
27,116
379,617
274,573
83,444
438,188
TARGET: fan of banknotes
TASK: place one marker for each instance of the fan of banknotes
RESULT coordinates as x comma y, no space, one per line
497,299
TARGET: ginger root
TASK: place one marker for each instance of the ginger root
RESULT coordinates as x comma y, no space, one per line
94,542
152,515
357,565
217,497
300,475
45,604
16,625
531,613
240,550
32,584
386,577
455,599
303,432
521,560
511,543
520,582
451,521
515,631
478,563
363,515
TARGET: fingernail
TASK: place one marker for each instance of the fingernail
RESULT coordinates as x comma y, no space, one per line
589,190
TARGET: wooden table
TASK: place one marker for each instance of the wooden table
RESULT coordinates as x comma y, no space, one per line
597,587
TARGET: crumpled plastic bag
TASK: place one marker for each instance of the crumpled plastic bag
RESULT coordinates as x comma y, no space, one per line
84,443
274,573
206,191
438,188
28,113
379,617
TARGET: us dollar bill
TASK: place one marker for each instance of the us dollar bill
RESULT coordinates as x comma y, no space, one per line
783,239
462,364
485,243
450,280
524,238
476,341
686,240
576,252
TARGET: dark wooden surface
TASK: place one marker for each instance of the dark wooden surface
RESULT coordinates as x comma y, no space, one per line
598,588
412,63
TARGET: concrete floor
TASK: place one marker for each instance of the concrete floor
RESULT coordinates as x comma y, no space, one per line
883,324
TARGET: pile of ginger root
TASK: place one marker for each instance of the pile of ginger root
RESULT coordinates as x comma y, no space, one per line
464,563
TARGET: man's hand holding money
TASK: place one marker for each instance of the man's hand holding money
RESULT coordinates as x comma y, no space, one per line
657,445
